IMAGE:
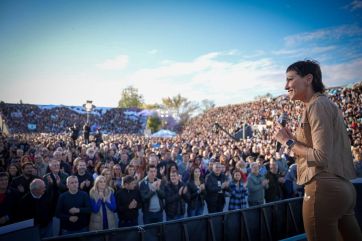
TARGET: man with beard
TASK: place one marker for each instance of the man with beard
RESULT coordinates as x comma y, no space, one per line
85,179
22,182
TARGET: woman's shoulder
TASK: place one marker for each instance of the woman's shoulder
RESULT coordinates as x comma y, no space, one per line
322,105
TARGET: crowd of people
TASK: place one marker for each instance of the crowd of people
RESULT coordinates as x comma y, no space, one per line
72,185
26,118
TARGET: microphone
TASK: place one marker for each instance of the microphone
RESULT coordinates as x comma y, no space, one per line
282,120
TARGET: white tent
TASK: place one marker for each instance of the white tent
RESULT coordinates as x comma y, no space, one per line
164,133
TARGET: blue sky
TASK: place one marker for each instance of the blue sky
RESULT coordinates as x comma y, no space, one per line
67,52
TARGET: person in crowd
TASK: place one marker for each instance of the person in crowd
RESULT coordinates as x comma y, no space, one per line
98,169
128,202
183,163
37,204
274,192
238,192
357,162
216,184
74,133
85,179
103,203
256,186
195,195
290,187
108,175
209,167
21,183
15,159
175,194
56,181
98,137
73,208
262,168
124,161
91,157
39,165
152,195
25,159
64,166
7,201
13,171
117,177
130,170
324,158
282,164
86,132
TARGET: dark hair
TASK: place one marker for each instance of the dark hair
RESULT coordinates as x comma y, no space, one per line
151,166
192,173
4,174
312,67
169,167
128,179
23,165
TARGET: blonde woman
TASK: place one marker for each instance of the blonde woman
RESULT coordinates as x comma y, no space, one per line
103,204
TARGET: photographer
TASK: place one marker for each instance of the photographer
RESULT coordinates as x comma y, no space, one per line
75,133
86,132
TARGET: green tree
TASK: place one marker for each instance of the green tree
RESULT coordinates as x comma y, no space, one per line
154,123
261,97
174,103
207,105
151,106
182,107
130,98
186,111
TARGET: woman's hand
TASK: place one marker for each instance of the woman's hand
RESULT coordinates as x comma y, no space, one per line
282,135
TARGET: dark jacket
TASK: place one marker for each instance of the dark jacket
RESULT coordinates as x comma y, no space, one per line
86,176
175,204
123,198
22,181
7,206
146,195
39,209
274,191
194,196
55,189
215,196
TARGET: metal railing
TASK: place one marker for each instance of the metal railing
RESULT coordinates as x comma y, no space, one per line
272,221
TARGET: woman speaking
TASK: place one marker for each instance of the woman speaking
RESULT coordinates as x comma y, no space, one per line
323,157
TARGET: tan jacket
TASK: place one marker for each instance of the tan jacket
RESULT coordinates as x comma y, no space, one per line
96,219
322,129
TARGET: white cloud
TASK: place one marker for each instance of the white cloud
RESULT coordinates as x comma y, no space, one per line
328,33
206,77
153,51
357,4
343,73
119,62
